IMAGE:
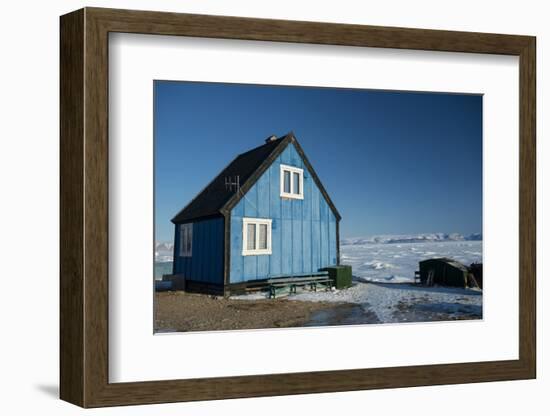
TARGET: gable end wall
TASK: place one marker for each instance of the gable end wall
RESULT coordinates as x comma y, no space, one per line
304,232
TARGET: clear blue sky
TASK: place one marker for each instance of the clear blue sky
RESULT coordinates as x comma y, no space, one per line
393,162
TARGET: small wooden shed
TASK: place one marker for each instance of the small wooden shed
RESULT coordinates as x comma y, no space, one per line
443,271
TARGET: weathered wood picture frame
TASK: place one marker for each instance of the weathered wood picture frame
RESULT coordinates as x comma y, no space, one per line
84,218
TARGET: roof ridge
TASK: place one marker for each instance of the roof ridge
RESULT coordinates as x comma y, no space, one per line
262,145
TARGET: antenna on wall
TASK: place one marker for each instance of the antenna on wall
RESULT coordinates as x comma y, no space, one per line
232,183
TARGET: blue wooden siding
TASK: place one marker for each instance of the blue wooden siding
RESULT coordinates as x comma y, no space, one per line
303,235
206,263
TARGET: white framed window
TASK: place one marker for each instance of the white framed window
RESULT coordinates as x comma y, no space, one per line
292,182
256,236
186,240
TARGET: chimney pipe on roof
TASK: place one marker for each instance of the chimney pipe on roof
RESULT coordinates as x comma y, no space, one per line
271,138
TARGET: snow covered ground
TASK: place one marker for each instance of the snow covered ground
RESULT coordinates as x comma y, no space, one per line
383,272
391,302
397,262
383,269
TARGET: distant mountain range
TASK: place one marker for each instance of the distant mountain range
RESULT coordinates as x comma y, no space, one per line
414,238
165,250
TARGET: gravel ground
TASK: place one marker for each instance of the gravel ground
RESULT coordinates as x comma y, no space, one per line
183,312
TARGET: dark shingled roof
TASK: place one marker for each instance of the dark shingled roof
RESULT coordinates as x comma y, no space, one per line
212,199
216,199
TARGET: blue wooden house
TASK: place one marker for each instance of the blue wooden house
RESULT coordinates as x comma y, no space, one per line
265,216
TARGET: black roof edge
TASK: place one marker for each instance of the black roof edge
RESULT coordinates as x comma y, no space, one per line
199,218
315,177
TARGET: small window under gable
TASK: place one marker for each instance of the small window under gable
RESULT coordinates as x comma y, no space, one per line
292,182
256,236
186,240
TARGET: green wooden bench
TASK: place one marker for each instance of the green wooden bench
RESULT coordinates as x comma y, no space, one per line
278,285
